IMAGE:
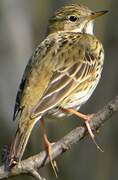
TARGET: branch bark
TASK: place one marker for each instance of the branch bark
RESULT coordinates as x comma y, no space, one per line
32,164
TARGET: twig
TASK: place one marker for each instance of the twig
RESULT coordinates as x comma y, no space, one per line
36,174
32,164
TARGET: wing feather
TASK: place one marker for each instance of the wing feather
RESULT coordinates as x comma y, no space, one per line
74,77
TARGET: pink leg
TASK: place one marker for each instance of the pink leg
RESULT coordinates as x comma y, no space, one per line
49,148
86,118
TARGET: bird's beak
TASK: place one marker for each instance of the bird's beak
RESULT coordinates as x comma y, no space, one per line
96,14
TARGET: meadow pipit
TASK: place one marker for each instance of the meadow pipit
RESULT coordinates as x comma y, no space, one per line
61,75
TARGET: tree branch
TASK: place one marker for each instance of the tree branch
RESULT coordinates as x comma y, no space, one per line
32,164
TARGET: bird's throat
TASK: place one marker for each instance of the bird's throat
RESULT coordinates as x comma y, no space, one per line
88,28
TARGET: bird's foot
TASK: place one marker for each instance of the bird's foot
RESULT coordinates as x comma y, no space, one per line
48,147
87,119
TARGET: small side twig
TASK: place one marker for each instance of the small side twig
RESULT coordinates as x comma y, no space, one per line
36,174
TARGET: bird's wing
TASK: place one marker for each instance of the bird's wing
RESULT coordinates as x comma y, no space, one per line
29,77
55,69
75,69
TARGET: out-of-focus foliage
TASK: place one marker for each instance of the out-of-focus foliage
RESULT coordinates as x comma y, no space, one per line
22,27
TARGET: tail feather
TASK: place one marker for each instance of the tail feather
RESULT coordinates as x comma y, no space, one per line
19,144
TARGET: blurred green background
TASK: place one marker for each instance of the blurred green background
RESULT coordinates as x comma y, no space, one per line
22,27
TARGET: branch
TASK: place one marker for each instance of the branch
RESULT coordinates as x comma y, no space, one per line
32,164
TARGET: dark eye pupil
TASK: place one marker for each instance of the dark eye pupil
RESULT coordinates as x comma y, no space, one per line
73,18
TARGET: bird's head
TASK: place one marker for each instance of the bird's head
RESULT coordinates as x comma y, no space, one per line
74,18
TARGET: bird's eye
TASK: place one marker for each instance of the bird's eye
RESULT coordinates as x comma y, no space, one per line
72,18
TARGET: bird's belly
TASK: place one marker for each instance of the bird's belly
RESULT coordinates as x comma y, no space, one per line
80,97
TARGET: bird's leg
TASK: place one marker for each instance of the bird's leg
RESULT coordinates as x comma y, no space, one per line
87,119
49,148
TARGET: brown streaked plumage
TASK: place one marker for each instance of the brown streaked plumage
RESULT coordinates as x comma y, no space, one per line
62,73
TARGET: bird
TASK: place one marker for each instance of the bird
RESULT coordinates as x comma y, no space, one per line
60,76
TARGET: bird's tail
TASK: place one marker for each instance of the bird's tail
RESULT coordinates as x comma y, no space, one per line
19,143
